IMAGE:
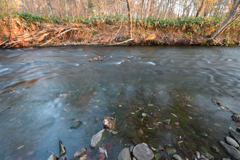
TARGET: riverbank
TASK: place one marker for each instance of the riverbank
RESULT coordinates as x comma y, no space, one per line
26,30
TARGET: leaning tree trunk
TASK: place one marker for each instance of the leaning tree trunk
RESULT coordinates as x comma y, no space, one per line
235,14
159,8
166,12
148,8
130,19
201,9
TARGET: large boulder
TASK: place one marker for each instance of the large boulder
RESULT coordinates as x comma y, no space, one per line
124,154
143,152
232,151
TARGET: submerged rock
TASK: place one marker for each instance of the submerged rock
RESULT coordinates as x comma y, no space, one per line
97,138
76,125
235,136
235,117
167,121
204,151
79,153
177,157
232,142
62,149
52,157
170,150
238,129
232,151
214,149
143,152
124,154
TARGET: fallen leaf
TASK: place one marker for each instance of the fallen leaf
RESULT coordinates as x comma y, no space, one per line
147,125
19,158
20,147
120,105
89,152
65,109
30,153
108,146
168,126
102,157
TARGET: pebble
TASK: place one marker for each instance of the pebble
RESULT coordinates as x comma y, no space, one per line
143,152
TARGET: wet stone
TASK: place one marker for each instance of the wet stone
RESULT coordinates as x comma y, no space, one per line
124,154
143,152
232,151
204,151
52,157
232,142
177,157
170,150
97,138
214,149
238,129
76,125
235,136
79,153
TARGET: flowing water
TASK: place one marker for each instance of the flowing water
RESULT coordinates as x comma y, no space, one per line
43,90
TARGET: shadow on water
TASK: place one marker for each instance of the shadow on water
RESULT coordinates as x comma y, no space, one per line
160,96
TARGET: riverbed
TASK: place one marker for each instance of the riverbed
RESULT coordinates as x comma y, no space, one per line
44,90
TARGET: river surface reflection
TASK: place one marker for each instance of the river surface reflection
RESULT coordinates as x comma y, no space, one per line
43,90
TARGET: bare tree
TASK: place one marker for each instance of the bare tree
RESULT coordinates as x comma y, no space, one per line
201,9
235,14
159,9
130,19
166,12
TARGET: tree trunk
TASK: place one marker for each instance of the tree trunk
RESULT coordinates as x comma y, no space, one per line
33,4
130,19
49,6
66,11
159,9
235,14
166,12
142,9
148,8
201,9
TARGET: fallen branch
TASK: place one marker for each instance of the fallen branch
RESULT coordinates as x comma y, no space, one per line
71,29
3,42
115,44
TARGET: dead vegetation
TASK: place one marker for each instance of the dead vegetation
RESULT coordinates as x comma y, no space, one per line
17,32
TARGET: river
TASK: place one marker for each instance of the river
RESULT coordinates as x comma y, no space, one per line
43,90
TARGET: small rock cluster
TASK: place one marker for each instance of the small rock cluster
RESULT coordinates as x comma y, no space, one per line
99,58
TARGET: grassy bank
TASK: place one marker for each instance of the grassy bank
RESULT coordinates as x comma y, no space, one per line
25,30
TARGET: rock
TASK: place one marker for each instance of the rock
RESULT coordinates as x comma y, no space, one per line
235,136
170,150
177,157
198,155
232,142
52,157
90,60
214,149
79,153
232,151
62,149
167,121
204,151
124,154
143,152
235,117
76,125
97,138
226,159
238,129
202,134
131,148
